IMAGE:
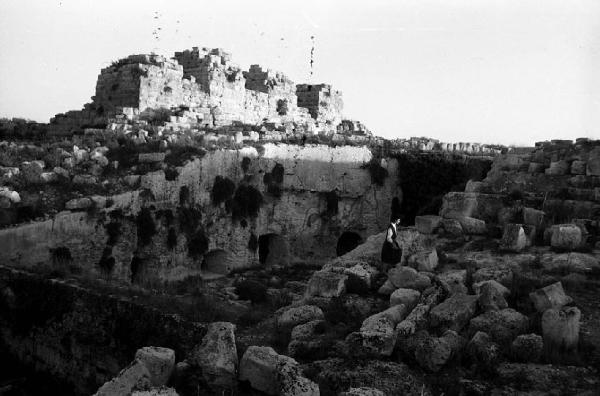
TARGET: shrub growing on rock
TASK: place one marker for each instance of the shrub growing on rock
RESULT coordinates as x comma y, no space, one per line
246,202
146,228
378,173
223,189
198,244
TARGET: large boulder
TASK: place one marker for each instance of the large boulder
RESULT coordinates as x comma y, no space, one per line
377,336
560,329
306,339
483,351
452,227
514,238
453,281
566,236
503,325
491,297
500,288
159,361
455,312
408,278
500,273
527,348
326,284
432,353
294,316
360,277
79,204
134,377
408,297
472,226
424,261
427,224
274,374
217,356
551,296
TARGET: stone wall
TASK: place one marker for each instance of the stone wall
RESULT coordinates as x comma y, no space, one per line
322,101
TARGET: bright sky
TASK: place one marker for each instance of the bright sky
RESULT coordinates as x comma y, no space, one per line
511,72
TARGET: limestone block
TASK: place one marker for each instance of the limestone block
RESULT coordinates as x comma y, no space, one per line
427,224
407,297
48,177
453,281
432,353
305,338
326,284
151,157
132,180
500,288
560,328
362,273
362,391
298,315
78,204
551,296
61,172
501,274
408,278
387,288
491,297
135,377
558,168
452,227
375,338
566,236
571,262
514,238
474,186
424,261
455,312
12,197
578,167
472,226
533,217
217,355
536,167
159,361
527,348
502,326
482,350
593,165
84,179
162,391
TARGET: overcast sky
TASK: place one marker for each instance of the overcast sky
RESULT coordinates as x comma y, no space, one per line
511,72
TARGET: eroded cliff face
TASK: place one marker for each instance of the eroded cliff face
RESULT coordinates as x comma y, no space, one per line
171,229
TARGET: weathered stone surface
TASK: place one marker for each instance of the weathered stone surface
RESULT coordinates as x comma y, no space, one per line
387,288
377,336
151,157
471,205
274,374
362,391
452,227
433,353
360,276
472,226
159,361
491,298
503,326
560,328
455,312
514,238
408,297
477,287
424,261
549,379
217,355
408,278
326,284
593,166
527,348
294,316
427,224
305,338
453,281
551,296
533,217
578,167
135,377
566,236
501,274
558,168
84,179
482,350
78,203
163,391
570,262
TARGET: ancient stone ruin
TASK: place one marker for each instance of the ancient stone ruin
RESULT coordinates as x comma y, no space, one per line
202,229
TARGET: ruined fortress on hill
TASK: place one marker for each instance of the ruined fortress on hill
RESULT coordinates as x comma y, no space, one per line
223,228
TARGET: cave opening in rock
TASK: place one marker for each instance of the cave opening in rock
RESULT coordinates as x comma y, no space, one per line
347,242
216,261
273,250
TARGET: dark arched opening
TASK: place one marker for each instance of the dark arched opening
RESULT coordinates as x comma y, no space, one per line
216,261
347,242
273,250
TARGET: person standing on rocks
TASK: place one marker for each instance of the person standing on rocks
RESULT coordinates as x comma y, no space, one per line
391,253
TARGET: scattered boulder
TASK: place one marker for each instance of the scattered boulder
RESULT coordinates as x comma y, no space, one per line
433,353
483,351
560,329
427,224
387,288
566,236
452,227
500,288
491,297
527,348
408,278
377,336
159,361
274,374
503,325
424,261
408,297
79,204
360,277
455,312
514,238
134,377
326,284
472,226
551,296
499,273
294,316
217,356
453,281
305,338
